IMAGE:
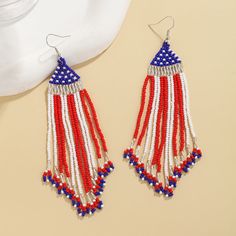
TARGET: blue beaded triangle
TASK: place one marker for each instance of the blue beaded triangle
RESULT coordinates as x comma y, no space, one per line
165,56
63,74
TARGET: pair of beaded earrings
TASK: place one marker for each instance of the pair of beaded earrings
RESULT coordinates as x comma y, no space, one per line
77,154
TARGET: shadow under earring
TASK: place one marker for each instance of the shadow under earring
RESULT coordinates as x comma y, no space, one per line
170,147
77,158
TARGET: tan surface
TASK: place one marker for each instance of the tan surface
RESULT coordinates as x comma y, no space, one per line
204,202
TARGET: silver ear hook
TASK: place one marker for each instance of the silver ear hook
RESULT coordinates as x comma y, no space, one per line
52,46
168,30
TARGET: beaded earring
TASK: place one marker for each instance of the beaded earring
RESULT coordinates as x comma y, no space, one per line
170,147
77,154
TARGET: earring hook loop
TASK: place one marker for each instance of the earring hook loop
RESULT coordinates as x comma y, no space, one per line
168,30
53,46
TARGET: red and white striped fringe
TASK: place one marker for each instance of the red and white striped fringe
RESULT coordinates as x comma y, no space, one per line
77,155
169,146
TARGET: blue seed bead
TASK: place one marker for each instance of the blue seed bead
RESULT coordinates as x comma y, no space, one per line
141,176
105,174
93,210
87,210
173,184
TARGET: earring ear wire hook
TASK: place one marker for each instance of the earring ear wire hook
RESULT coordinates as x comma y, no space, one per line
168,30
53,46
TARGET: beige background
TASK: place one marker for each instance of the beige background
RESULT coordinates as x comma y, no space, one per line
204,202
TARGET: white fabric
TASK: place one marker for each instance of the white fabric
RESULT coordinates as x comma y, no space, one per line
26,60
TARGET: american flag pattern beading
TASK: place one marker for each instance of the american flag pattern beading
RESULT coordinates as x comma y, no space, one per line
77,154
164,142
